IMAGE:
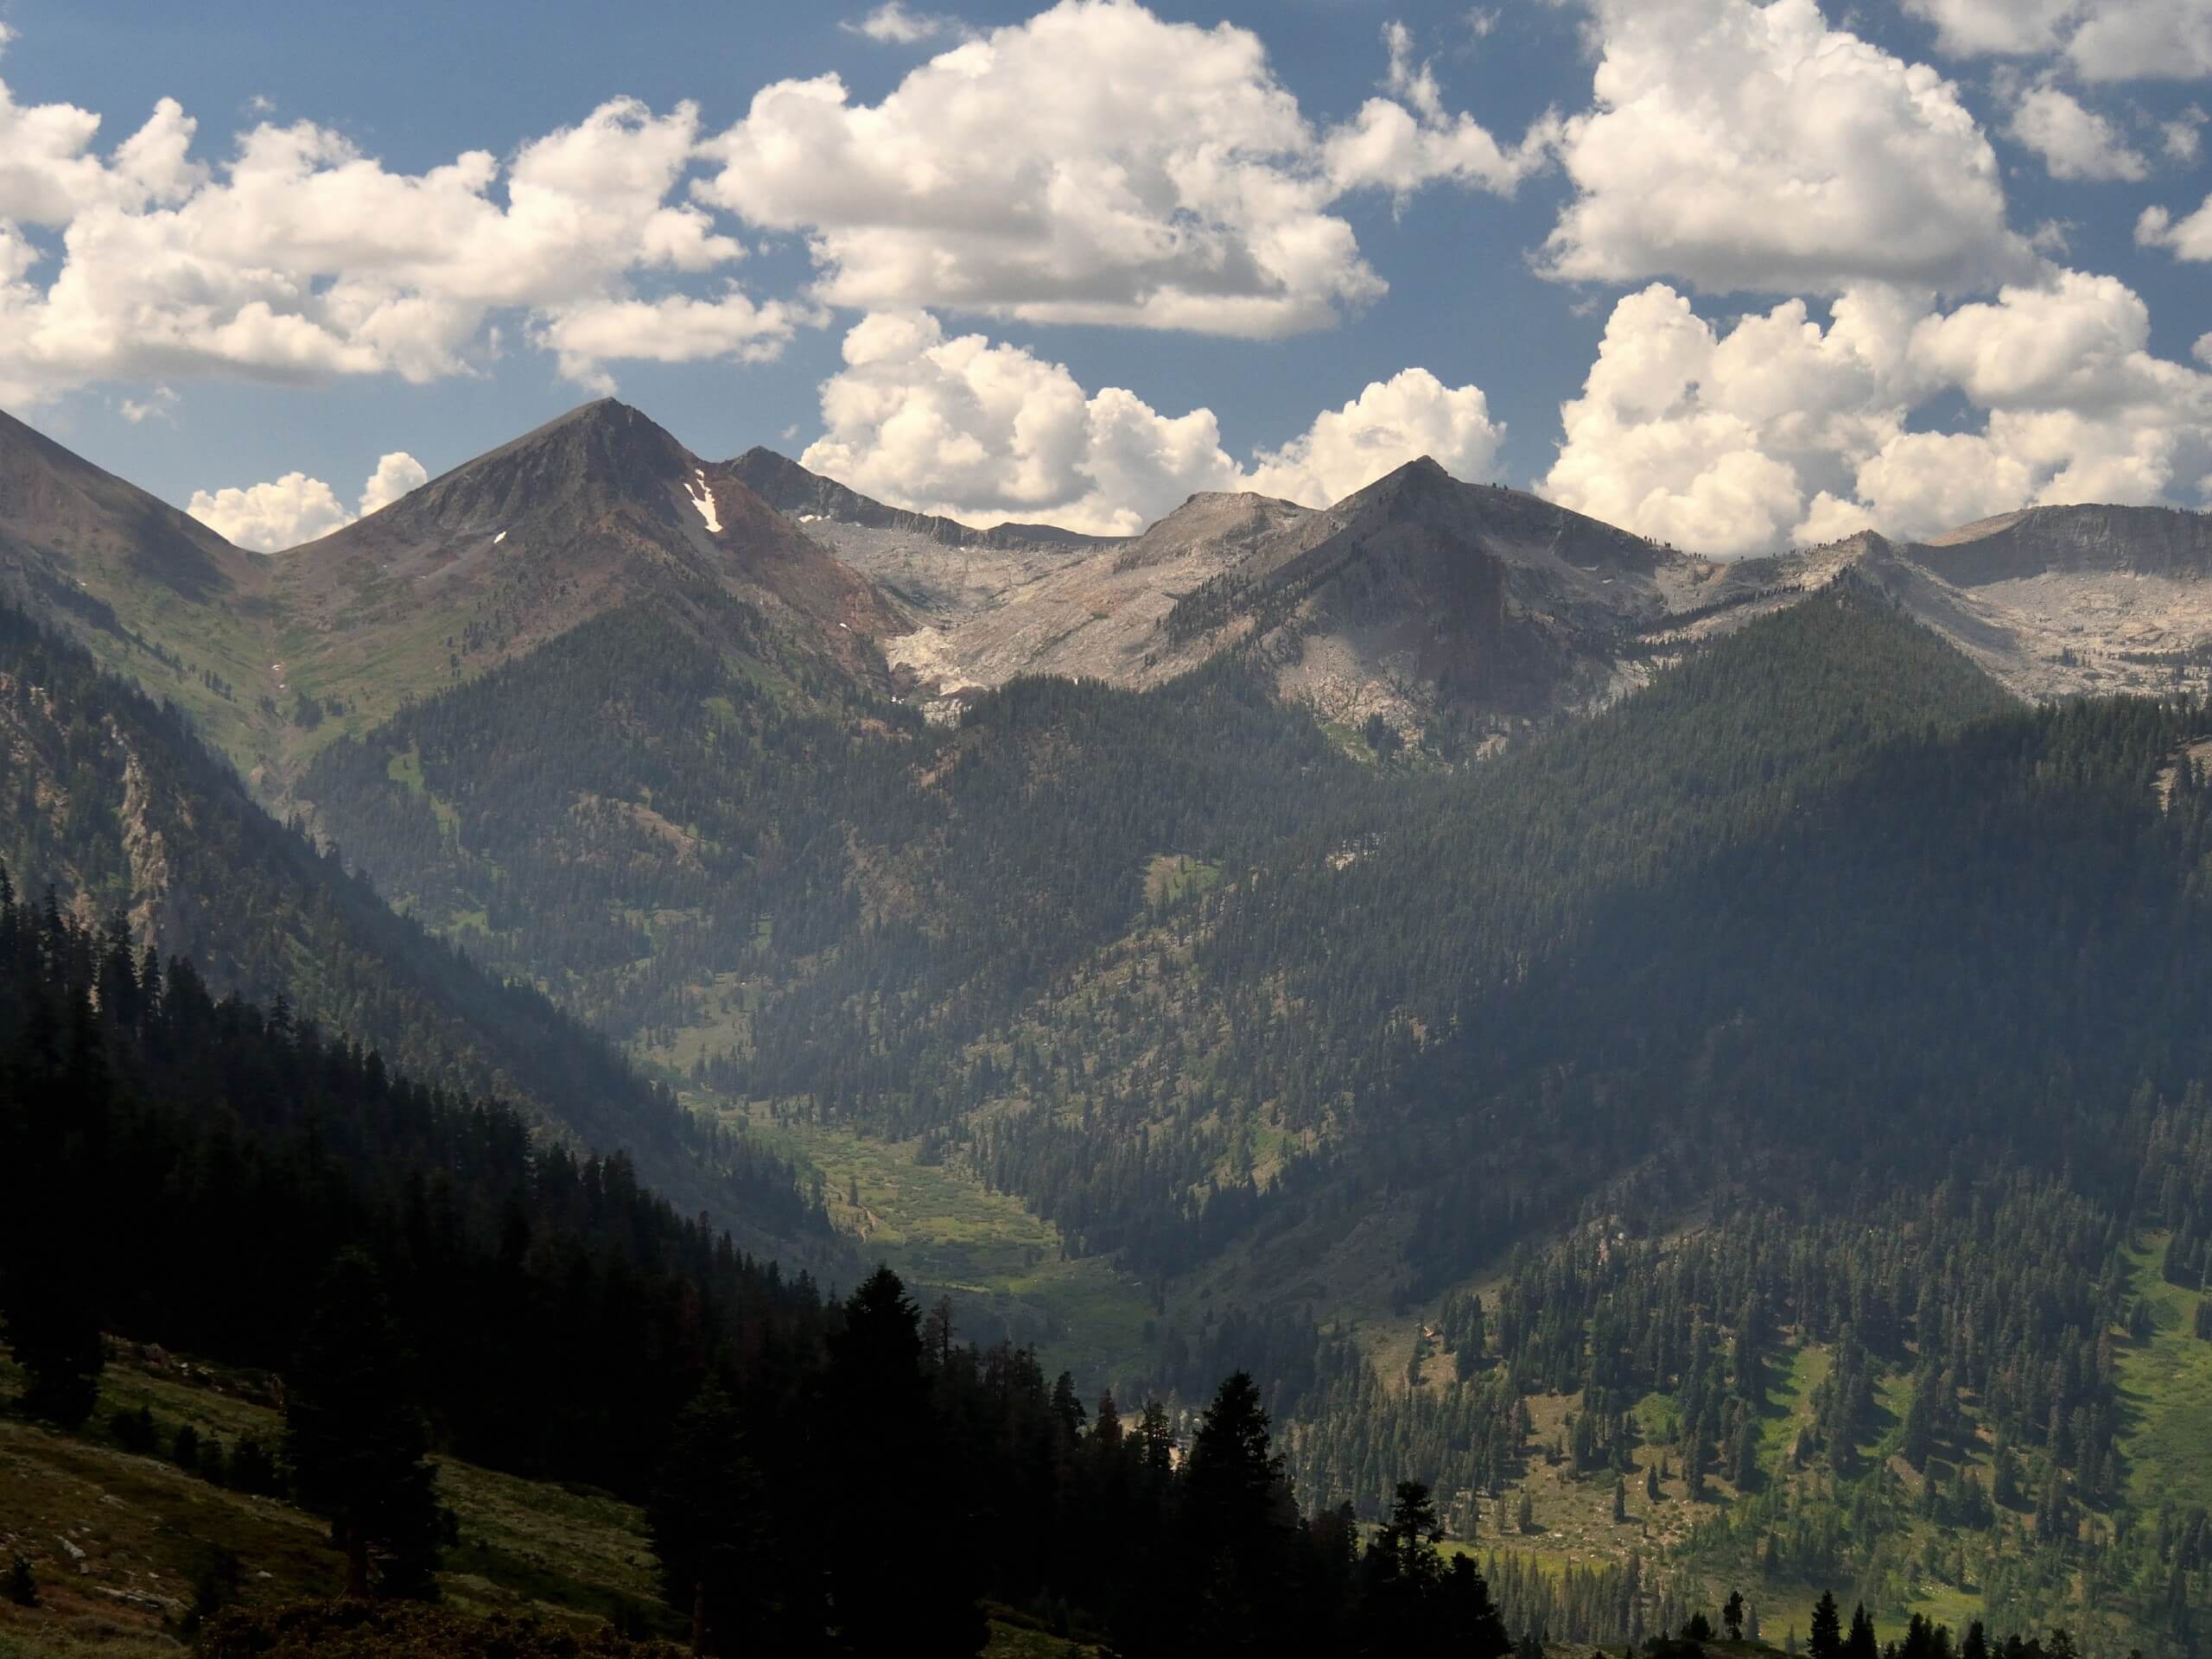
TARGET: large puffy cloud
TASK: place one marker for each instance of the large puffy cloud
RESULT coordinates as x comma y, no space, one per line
2073,140
301,257
2103,40
1741,146
296,508
1777,430
1095,164
987,431
1392,421
266,517
396,473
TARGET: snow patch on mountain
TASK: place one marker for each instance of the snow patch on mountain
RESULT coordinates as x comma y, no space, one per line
704,501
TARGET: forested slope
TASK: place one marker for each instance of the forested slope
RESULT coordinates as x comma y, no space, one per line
111,801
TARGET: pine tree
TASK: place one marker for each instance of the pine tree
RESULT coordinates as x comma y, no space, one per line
708,1519
1620,1500
354,1438
1067,1408
921,1597
1106,1427
1235,1524
1861,1643
1732,1615
1826,1641
1155,1440
52,1128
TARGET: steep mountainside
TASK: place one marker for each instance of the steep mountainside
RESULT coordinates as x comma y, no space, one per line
274,656
155,594
2056,601
591,512
112,802
1417,597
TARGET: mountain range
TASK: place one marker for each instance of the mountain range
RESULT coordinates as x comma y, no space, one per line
1435,952
1421,598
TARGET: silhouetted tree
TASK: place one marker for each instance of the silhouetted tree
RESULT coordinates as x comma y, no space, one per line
355,1438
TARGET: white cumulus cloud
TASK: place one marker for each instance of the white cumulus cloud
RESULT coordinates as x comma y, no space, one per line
267,517
299,257
1391,422
985,431
1408,139
396,473
1772,429
294,509
2189,237
1095,164
1740,146
2073,140
2101,39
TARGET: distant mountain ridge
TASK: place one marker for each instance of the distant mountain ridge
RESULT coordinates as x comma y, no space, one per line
1420,598
810,497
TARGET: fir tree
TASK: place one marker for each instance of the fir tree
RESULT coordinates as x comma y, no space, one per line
354,1438
1826,1641
1861,1643
921,1597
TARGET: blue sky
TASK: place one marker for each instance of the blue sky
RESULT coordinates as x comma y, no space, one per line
1983,333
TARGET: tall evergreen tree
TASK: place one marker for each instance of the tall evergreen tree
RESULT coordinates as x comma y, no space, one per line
1826,1641
882,1438
714,1537
355,1438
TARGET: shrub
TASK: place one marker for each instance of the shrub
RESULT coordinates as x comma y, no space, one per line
134,1431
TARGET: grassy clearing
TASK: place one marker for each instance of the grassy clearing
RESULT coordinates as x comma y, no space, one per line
2166,1394
1790,1379
406,770
1172,877
941,1228
149,1530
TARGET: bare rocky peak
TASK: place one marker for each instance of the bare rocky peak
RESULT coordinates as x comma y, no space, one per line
1227,525
811,498
2146,541
574,470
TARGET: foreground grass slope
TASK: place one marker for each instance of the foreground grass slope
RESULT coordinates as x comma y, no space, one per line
127,1547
